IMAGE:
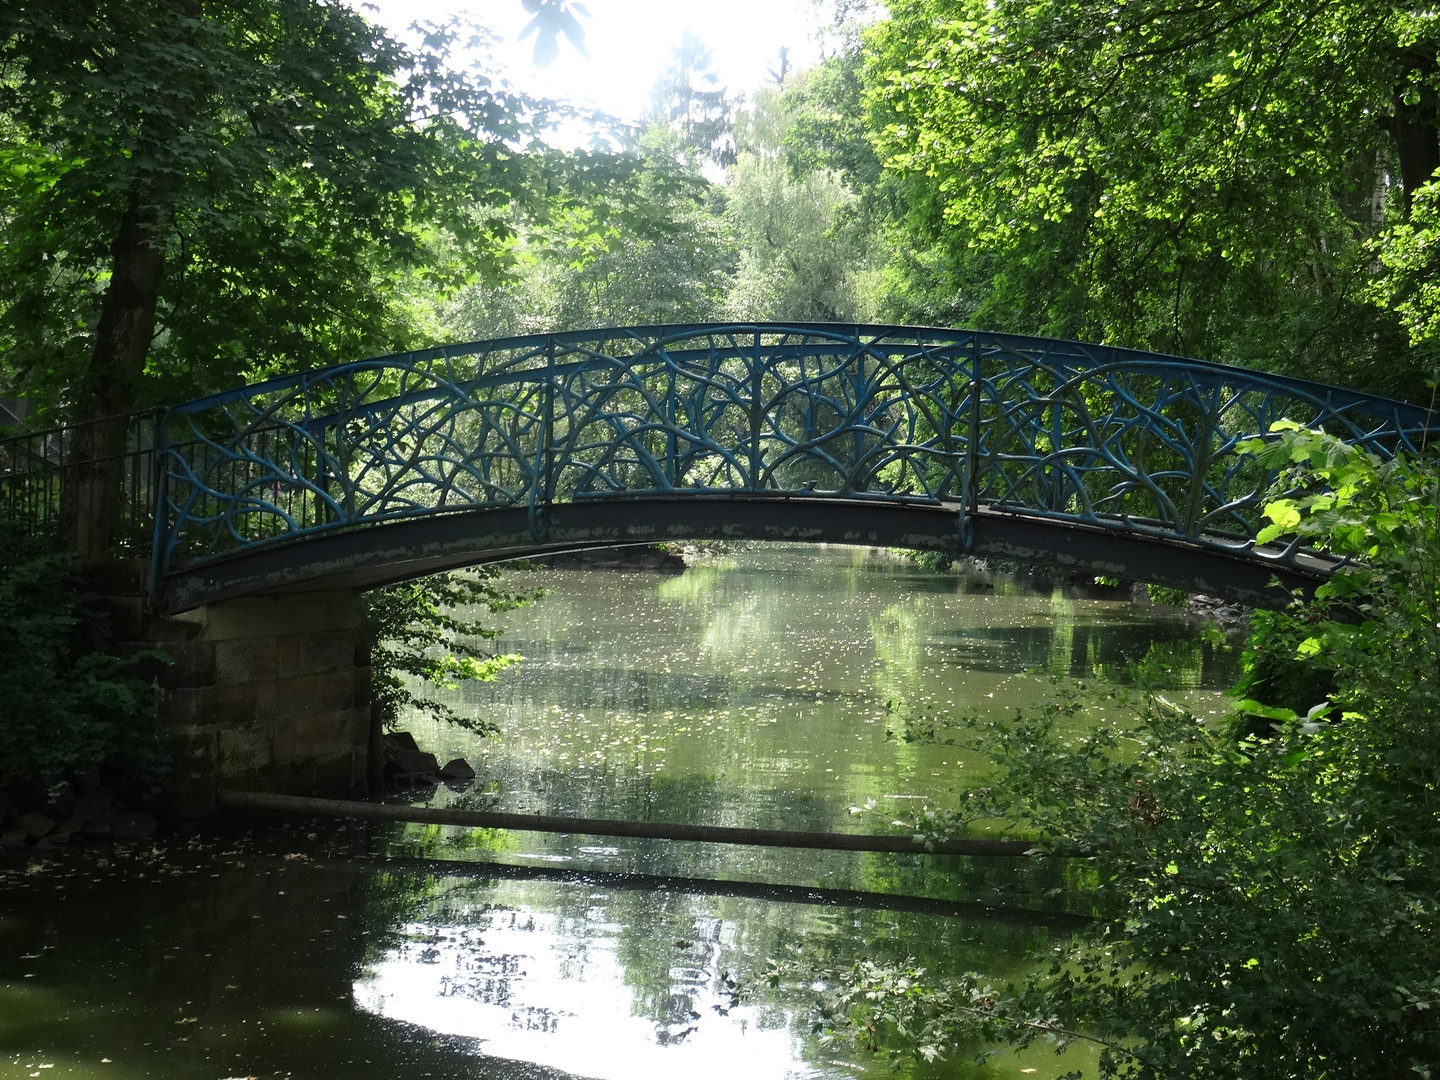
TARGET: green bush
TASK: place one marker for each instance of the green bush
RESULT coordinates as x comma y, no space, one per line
929,560
1162,594
420,632
68,708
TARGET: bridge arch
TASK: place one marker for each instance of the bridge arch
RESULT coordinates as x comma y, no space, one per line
1105,459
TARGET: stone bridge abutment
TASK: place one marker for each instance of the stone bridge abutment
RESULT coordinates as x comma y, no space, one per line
263,693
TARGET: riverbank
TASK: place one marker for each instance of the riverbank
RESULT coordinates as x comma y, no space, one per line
1228,615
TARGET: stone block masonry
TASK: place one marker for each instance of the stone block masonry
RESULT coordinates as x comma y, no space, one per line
266,693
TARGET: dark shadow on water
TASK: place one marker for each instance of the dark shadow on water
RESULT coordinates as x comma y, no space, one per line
783,894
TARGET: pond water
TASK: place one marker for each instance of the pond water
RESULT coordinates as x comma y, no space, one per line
763,688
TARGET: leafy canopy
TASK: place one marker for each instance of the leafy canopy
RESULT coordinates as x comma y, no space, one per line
1200,179
301,174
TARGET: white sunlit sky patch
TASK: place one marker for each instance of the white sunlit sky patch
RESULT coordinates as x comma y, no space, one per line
630,42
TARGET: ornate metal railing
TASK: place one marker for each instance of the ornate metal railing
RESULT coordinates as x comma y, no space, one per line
1132,441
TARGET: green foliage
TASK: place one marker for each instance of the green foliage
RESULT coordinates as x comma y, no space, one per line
800,233
284,179
930,560
787,236
1265,909
69,709
421,630
1410,254
827,129
1276,685
797,260
804,229
1377,617
623,240
1160,594
1201,180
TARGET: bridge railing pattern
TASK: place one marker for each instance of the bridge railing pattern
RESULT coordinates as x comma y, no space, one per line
1128,440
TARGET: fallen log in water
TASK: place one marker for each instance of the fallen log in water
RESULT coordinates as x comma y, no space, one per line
650,830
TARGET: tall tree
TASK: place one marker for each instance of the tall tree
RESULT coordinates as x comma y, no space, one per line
690,100
195,192
1202,179
804,249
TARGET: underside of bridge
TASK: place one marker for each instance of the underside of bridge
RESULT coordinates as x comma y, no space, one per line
368,556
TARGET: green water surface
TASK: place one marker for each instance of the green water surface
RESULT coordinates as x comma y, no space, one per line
763,688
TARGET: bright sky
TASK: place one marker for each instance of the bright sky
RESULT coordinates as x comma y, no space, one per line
630,43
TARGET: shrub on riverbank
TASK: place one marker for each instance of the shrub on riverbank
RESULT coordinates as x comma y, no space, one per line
66,708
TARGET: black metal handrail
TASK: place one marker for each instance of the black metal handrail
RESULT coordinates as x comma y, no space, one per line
36,467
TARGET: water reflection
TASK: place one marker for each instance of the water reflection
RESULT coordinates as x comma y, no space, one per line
569,990
759,690
618,984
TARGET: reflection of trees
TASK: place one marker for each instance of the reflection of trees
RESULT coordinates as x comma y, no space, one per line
258,949
1177,664
899,647
1061,658
748,660
669,946
735,627
675,951
696,585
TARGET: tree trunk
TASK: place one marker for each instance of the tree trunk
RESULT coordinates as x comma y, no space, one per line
94,481
92,489
1417,141
1414,123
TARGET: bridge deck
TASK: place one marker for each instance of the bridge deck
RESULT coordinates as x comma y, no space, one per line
380,554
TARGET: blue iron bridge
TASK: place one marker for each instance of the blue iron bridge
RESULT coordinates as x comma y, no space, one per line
1107,460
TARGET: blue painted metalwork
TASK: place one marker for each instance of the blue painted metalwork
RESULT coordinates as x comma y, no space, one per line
1136,442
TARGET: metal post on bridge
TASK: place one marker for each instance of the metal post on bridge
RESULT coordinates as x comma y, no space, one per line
159,487
757,416
970,494
542,487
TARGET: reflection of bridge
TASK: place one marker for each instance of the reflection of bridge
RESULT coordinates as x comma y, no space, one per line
269,508
1107,459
